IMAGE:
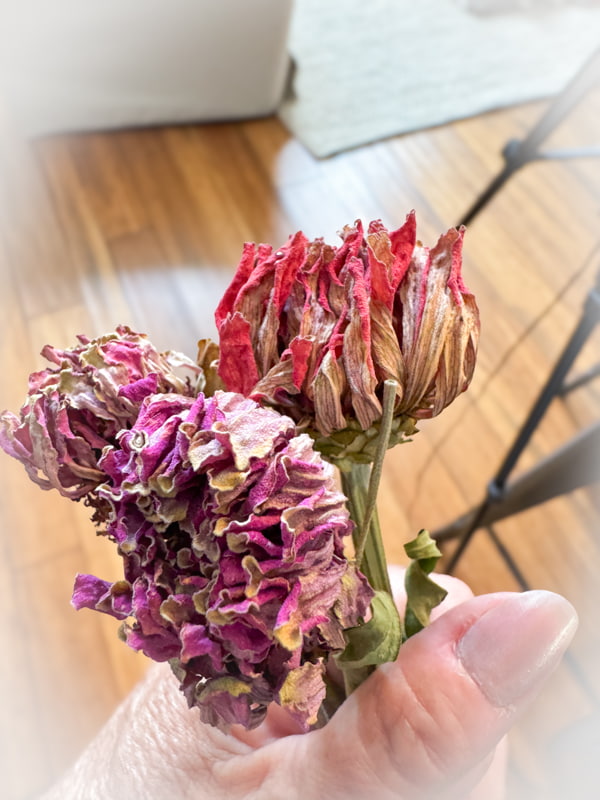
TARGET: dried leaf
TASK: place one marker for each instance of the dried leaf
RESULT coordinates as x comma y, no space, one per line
422,593
375,642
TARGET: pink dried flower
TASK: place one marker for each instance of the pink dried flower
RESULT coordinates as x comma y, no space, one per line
315,330
232,534
77,407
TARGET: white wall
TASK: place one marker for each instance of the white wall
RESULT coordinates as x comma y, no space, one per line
76,64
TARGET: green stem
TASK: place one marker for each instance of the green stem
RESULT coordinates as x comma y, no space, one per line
355,485
370,511
360,485
373,563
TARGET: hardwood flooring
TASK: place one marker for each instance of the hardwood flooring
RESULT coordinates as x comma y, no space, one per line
146,227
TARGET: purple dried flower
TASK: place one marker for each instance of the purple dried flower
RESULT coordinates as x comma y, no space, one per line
232,534
78,406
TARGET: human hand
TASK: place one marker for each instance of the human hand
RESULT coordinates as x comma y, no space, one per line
426,726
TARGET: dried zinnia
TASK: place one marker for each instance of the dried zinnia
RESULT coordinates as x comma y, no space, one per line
232,535
315,331
76,407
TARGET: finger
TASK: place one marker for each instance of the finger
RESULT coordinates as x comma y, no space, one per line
426,725
492,784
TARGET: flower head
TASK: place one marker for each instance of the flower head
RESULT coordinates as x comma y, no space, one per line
232,534
315,330
76,407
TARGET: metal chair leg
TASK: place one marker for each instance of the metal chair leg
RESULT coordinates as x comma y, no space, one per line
518,153
553,476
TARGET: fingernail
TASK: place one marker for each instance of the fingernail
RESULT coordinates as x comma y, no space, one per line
516,644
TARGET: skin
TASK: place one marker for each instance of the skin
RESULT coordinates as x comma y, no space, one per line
417,729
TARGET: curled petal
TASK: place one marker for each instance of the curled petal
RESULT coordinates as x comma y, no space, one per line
92,592
303,693
237,365
440,334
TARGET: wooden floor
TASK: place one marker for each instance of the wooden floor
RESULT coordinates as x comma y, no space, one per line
145,227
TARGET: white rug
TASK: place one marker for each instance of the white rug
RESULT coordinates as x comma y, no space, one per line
368,69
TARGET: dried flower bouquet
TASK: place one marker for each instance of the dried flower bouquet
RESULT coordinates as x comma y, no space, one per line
215,479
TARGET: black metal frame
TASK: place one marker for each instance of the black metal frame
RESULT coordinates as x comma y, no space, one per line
575,464
517,153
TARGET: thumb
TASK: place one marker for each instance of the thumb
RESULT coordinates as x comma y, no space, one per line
426,725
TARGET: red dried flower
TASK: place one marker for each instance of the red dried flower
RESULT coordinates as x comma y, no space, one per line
315,330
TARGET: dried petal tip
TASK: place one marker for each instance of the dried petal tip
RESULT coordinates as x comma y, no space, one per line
232,534
77,407
315,331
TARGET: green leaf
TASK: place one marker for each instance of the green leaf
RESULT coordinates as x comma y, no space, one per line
375,642
422,593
